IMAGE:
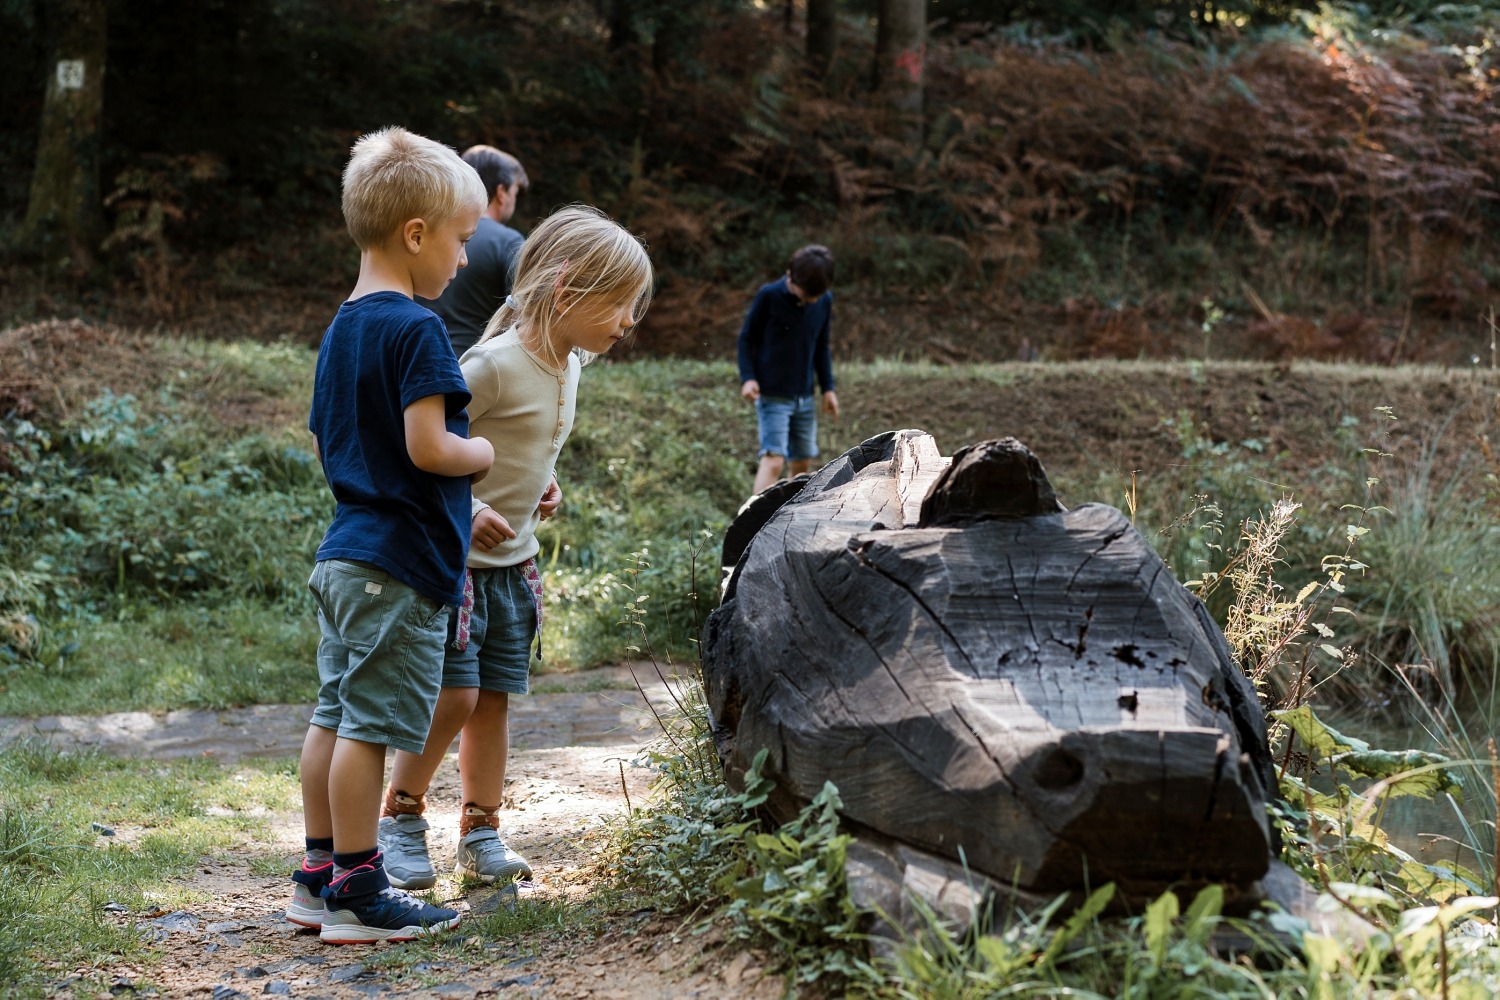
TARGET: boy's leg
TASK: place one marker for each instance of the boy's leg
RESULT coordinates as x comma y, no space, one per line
403,830
308,881
767,472
504,661
802,435
317,757
773,418
355,777
386,688
306,907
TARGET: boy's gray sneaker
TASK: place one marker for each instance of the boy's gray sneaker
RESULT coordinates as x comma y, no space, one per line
403,843
483,855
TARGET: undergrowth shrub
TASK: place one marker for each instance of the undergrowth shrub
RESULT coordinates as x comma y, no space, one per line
130,507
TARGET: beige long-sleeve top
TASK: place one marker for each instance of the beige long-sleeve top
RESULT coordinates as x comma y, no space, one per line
525,409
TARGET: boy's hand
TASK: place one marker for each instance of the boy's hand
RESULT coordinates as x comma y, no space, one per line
831,403
551,499
490,529
750,390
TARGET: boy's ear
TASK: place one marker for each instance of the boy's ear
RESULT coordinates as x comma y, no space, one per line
413,232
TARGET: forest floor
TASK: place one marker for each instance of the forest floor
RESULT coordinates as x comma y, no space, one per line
570,770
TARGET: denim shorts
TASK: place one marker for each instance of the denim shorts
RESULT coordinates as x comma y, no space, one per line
788,427
501,630
380,655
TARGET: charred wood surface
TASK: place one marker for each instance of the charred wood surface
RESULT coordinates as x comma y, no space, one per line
987,676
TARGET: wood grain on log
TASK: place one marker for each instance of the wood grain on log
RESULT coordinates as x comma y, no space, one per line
986,675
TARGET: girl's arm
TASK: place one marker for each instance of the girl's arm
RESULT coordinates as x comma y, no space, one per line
433,448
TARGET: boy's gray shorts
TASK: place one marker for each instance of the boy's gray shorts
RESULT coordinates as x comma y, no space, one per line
501,631
380,656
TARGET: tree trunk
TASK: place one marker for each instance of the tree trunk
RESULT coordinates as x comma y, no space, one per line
900,58
65,216
621,25
822,35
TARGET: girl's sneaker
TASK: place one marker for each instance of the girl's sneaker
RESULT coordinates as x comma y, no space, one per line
307,894
362,908
483,855
403,844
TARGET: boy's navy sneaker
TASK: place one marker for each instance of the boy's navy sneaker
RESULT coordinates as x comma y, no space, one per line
403,845
362,908
307,907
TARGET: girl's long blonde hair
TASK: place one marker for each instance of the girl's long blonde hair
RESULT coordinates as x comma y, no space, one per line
575,252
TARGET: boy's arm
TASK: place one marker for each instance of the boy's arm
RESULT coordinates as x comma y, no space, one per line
749,346
823,362
433,448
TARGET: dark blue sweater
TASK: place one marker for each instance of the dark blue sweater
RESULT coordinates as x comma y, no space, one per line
784,343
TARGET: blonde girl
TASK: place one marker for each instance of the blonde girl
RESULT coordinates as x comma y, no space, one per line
582,282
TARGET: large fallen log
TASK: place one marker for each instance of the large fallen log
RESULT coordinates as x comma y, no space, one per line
986,676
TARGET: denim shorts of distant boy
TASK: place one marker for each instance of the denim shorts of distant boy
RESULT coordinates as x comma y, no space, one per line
501,630
788,426
380,655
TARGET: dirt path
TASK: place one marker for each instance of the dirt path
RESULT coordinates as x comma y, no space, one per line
570,768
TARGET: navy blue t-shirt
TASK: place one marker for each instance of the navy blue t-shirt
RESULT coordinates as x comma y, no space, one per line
784,343
383,352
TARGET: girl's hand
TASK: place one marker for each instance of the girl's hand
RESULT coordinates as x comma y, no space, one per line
490,529
551,499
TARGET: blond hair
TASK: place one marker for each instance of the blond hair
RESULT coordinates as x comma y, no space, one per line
577,251
395,176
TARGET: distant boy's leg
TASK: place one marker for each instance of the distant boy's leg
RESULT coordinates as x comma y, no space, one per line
802,435
412,773
767,472
773,416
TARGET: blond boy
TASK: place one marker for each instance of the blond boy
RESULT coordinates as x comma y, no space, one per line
389,424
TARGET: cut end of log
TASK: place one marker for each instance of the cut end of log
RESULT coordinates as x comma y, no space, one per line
987,480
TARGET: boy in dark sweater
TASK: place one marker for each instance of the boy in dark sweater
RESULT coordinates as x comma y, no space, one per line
783,346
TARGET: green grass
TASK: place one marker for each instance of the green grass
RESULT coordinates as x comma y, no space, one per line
177,655
155,556
58,876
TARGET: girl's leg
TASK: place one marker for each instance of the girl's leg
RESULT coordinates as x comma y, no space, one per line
482,757
484,751
403,831
412,773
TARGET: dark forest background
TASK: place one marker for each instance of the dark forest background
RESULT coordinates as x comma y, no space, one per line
1108,178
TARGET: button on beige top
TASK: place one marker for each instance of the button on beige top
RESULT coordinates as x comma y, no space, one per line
513,407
